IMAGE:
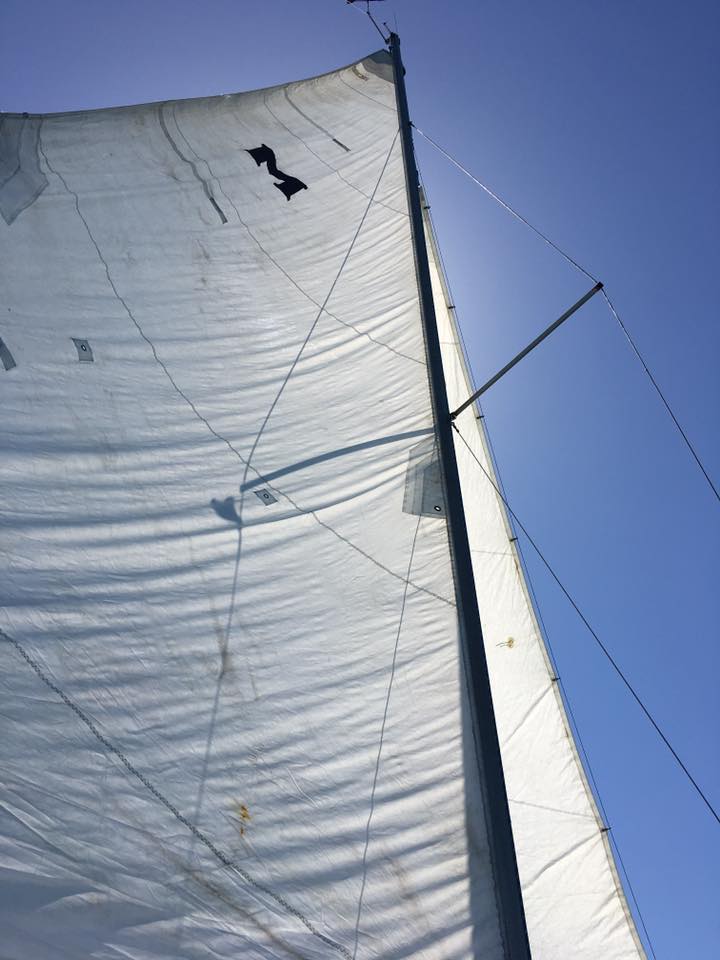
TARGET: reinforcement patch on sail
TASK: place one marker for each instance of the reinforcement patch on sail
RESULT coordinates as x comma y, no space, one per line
234,711
7,359
424,493
84,350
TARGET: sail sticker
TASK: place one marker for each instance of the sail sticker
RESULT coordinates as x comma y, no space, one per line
424,494
266,497
289,185
85,354
8,361
21,179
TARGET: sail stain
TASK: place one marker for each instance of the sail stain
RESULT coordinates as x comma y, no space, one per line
242,817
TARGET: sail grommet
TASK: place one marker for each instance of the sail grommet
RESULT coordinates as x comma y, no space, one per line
85,354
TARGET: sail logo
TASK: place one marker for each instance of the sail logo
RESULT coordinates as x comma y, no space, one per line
288,185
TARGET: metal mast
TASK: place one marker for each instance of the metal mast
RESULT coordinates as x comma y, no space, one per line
502,849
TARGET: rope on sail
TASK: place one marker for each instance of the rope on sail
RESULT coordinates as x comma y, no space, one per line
595,636
590,276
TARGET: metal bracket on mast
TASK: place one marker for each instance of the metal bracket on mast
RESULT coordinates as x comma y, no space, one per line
531,346
502,849
372,18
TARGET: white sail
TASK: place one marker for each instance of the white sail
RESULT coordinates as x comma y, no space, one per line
233,709
232,723
571,891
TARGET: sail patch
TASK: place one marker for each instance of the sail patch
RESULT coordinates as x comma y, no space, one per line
424,495
21,179
266,497
85,354
8,361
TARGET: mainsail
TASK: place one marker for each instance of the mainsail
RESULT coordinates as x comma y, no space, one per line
235,710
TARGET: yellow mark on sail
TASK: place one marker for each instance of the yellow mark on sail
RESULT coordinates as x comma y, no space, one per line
243,815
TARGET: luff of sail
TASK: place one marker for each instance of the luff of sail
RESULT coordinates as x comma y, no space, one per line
234,715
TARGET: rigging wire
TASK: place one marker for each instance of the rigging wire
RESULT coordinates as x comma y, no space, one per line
660,393
590,276
567,703
595,636
507,206
352,3
620,860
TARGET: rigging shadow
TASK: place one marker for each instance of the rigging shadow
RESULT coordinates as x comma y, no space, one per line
226,510
219,506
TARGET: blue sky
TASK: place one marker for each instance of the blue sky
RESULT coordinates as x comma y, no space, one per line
599,123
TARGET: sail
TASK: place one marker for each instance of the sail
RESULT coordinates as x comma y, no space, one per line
233,714
234,709
573,899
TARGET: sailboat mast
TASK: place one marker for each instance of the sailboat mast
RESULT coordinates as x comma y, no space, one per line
497,813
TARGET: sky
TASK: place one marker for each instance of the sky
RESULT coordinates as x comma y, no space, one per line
598,122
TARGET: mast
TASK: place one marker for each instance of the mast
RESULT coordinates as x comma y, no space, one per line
502,849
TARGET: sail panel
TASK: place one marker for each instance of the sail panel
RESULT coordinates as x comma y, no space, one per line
234,715
574,903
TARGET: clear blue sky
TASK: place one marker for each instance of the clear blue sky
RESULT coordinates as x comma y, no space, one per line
599,122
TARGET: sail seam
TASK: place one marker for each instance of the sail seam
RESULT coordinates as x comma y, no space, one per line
551,864
544,806
528,713
310,120
362,93
225,860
